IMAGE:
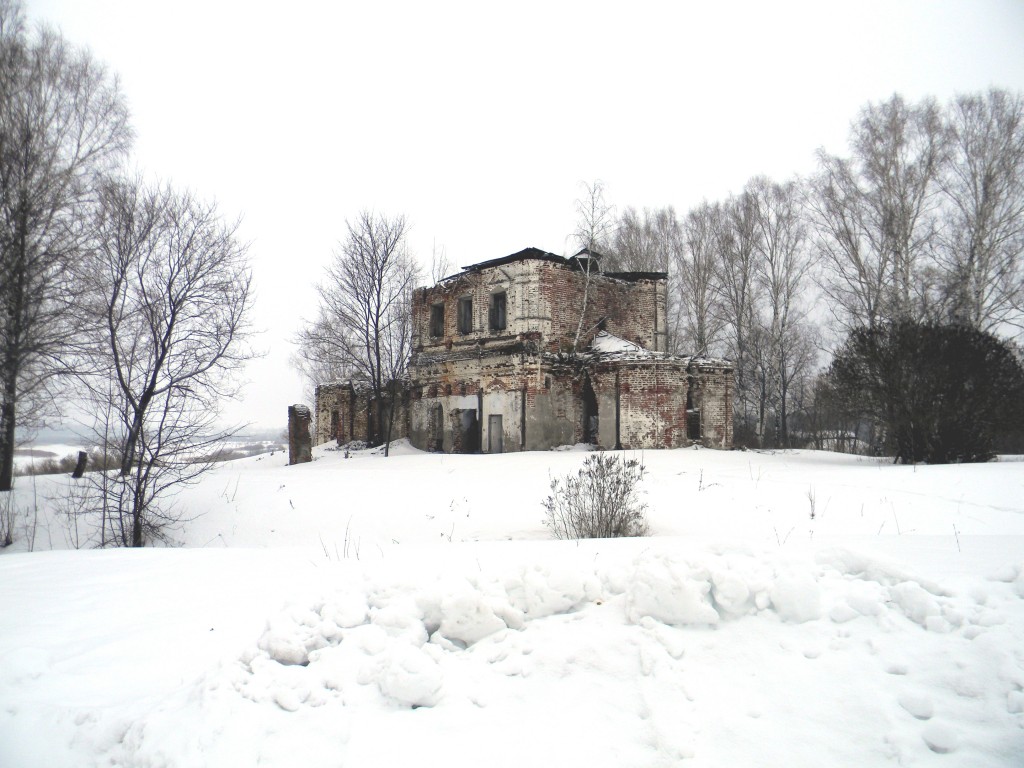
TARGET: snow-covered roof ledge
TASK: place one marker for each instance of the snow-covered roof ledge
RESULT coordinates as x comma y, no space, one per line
607,343
609,346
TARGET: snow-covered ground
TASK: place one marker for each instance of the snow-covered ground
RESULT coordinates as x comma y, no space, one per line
790,609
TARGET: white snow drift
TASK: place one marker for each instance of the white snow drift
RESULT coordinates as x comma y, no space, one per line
792,609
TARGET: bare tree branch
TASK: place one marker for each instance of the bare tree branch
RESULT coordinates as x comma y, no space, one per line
175,295
363,328
63,122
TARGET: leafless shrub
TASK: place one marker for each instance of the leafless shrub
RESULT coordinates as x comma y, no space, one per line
47,466
601,501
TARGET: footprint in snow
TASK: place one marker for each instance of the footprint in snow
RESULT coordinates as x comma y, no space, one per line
940,739
917,705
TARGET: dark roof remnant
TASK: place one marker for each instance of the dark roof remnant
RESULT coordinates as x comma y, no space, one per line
576,262
635,276
535,254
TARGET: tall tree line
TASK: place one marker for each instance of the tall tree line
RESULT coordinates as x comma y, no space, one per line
130,296
922,220
738,277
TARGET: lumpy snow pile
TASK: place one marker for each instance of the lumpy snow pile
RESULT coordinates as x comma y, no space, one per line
722,659
794,609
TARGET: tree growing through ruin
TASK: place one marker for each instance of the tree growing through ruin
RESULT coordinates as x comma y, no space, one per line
173,295
63,123
364,323
595,227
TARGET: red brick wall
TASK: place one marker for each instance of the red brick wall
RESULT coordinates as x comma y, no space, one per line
652,402
634,311
545,298
354,409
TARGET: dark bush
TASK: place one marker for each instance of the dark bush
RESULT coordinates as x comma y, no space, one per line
942,393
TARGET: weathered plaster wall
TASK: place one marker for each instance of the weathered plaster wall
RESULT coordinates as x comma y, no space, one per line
651,394
526,311
712,392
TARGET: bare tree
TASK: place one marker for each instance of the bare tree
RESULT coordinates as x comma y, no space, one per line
176,295
856,268
901,149
595,228
983,187
595,225
736,242
63,121
364,322
440,264
652,241
876,212
783,271
697,265
644,241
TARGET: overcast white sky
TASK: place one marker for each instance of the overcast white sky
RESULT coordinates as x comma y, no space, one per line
479,121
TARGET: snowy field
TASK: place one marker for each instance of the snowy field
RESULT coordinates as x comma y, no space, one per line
790,609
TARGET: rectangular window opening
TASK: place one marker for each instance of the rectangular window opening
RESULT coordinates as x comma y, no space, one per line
466,315
437,319
497,314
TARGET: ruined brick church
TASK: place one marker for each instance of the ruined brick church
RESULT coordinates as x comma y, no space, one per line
532,351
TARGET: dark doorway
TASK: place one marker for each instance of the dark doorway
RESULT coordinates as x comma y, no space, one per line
495,438
470,432
589,413
692,418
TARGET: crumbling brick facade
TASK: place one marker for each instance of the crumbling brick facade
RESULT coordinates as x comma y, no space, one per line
503,362
348,411
328,412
